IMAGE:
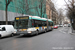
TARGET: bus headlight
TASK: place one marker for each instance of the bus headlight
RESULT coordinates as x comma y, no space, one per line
14,31
29,32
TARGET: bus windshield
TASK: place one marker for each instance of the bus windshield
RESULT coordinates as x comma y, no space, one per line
19,24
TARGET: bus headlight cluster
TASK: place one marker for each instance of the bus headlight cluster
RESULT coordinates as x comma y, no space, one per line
29,32
14,31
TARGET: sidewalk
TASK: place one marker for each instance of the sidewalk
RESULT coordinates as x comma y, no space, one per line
70,31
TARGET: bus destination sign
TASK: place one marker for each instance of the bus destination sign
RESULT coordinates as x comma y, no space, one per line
18,18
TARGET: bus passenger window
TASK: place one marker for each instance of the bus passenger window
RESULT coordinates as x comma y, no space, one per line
32,21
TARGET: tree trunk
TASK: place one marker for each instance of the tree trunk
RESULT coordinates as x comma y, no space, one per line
41,9
6,14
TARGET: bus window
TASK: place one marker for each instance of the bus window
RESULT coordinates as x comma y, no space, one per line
21,24
16,24
48,23
39,23
51,23
44,23
36,24
32,23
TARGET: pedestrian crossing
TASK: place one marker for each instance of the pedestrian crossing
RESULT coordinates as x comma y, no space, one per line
64,30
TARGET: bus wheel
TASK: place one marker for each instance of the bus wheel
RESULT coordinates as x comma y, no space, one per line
51,29
45,31
37,32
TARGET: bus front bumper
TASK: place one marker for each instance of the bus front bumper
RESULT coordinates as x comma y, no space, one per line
26,33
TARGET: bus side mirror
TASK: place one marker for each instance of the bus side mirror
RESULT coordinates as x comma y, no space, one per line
32,23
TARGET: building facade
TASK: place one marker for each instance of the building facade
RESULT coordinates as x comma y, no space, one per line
51,11
22,7
48,9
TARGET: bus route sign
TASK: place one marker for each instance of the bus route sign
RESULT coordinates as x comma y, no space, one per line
18,18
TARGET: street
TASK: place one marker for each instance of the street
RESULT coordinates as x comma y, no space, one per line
58,39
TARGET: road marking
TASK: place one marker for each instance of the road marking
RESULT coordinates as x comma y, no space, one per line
63,30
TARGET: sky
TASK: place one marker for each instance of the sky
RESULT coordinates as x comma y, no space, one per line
59,4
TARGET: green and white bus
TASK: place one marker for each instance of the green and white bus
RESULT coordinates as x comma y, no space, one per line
30,25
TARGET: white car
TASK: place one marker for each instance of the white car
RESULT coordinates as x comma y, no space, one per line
6,30
57,25
61,25
65,25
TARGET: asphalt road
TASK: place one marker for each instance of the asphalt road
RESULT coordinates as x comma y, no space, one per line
58,39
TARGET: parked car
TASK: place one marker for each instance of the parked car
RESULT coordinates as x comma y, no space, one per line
55,27
6,30
65,25
61,25
69,25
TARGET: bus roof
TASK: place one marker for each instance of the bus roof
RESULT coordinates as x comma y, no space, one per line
36,18
39,18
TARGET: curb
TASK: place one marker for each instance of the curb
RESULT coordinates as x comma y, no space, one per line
70,30
72,33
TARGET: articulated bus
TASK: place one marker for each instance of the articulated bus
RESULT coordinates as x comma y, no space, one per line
30,25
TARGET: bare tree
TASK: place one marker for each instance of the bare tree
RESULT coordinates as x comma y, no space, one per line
24,7
42,6
71,12
60,16
7,3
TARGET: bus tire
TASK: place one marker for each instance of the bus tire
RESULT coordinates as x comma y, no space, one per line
37,32
45,31
51,29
